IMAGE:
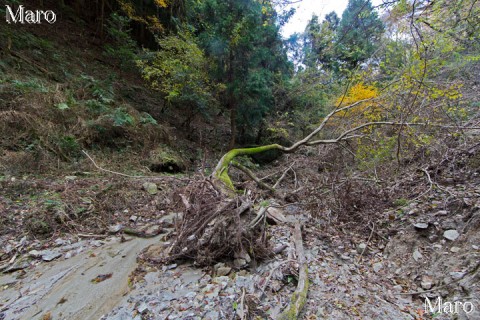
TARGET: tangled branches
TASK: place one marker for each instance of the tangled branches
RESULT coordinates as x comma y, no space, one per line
215,226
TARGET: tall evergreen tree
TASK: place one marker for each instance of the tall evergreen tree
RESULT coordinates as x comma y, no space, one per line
319,43
359,33
241,38
333,20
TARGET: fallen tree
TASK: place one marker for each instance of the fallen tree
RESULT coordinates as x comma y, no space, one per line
219,224
299,296
220,174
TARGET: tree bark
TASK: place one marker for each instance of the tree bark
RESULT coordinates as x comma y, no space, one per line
233,125
231,101
299,297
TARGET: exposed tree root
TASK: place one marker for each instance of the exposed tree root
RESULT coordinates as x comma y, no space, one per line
215,227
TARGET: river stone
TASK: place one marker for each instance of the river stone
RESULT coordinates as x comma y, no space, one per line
35,253
361,248
115,228
417,255
223,271
377,267
212,315
150,187
142,308
49,255
421,226
427,282
60,242
275,216
398,288
239,263
457,275
451,235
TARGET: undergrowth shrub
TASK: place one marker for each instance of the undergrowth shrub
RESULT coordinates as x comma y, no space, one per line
41,122
122,48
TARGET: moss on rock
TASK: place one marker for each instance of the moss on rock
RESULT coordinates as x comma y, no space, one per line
165,159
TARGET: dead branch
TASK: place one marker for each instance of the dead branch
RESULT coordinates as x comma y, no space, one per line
260,215
345,135
252,176
130,176
368,242
215,226
220,172
109,171
270,274
299,297
283,176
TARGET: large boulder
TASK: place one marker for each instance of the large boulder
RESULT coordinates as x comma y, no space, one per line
165,159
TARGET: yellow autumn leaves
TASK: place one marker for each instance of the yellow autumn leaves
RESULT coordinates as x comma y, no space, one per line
368,111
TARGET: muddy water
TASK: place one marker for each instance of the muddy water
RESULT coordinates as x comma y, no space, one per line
65,288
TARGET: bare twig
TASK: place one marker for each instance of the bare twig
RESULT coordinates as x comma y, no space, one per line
252,176
270,274
85,235
109,171
283,176
130,176
368,242
242,306
261,213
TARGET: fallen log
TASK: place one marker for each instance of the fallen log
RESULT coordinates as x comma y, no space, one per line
299,296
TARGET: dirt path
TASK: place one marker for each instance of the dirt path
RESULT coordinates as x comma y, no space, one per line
65,288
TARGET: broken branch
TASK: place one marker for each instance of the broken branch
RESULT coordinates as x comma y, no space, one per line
299,297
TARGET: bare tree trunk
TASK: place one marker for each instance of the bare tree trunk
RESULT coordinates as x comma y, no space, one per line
233,127
231,102
102,17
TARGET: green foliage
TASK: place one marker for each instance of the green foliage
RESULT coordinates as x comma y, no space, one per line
123,48
340,45
24,40
179,70
98,89
382,152
401,202
96,106
121,118
146,119
320,43
302,101
241,40
100,93
62,106
32,85
69,145
359,33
